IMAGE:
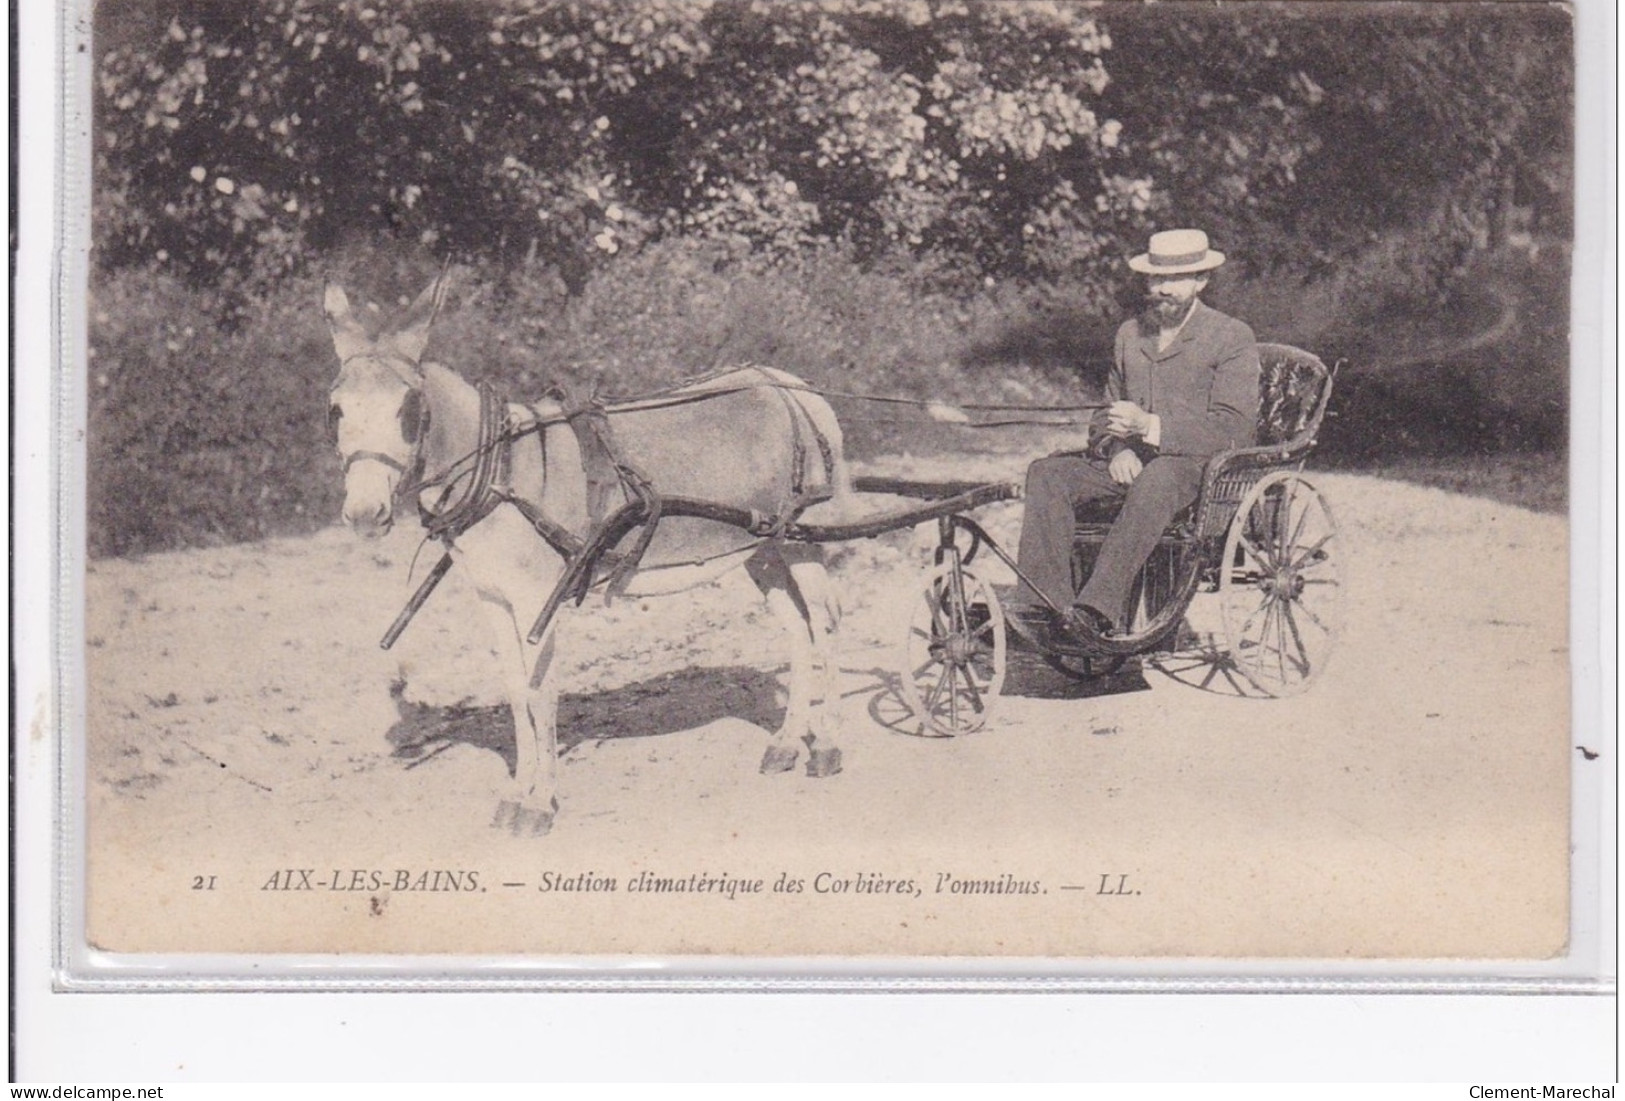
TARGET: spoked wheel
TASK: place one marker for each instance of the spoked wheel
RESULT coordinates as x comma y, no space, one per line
1280,591
954,653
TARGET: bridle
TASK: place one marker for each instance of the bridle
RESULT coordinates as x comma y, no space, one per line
410,470
471,486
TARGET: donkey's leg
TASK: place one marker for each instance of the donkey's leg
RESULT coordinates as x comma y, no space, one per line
533,699
528,806
772,575
538,784
513,571
822,608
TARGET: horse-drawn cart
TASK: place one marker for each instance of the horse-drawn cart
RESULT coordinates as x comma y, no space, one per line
1260,536
739,460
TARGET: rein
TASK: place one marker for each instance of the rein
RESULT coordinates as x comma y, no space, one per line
448,518
681,394
475,484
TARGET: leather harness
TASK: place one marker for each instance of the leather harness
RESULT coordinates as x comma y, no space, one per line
612,479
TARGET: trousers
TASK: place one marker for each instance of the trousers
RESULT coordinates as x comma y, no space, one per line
1058,486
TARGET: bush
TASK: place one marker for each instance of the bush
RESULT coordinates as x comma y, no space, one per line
207,412
207,423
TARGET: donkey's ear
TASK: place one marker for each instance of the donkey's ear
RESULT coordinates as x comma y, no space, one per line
411,335
349,335
335,302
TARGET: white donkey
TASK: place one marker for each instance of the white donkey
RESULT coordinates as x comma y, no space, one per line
753,439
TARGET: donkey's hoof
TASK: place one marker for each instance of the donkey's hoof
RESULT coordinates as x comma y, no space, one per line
523,821
534,822
779,758
823,762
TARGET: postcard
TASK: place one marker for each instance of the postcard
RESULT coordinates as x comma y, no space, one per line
915,480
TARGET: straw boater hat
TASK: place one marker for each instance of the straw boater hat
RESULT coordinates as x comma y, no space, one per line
1177,252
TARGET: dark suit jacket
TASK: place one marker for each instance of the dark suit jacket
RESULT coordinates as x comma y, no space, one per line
1204,386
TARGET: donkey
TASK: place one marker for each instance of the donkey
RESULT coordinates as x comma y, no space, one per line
406,429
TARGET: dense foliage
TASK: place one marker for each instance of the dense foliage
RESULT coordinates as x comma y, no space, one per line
1310,130
241,134
1029,139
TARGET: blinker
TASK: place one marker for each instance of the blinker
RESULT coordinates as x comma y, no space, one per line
411,415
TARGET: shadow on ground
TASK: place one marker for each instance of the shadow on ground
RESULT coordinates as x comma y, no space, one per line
1029,676
1207,667
659,705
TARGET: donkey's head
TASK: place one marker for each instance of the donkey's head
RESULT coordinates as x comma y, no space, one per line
376,407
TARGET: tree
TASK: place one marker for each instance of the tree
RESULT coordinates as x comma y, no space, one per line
1306,130
243,135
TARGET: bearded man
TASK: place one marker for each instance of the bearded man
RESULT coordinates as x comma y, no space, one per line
1183,386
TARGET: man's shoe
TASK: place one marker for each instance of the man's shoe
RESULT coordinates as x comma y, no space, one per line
1093,622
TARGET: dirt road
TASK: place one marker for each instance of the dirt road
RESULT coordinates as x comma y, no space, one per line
1415,802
